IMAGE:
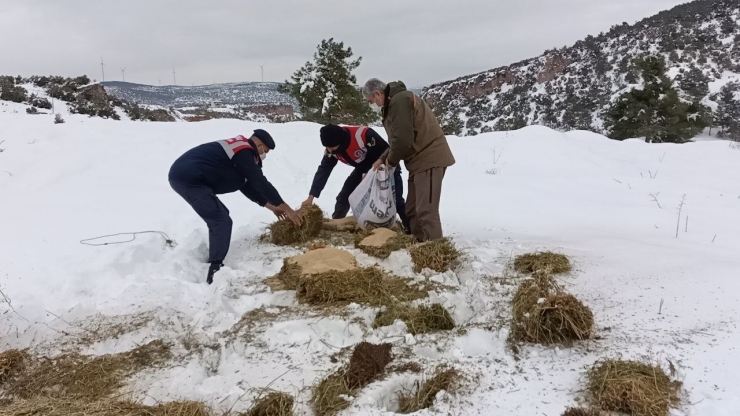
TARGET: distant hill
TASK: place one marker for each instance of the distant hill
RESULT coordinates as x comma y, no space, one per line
241,93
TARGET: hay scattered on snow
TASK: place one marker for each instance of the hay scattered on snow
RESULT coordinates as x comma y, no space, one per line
313,262
632,387
12,362
381,242
46,406
285,233
74,376
419,320
371,286
422,395
438,255
579,411
547,261
545,314
368,361
274,404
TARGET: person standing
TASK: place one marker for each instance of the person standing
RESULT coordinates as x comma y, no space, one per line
415,136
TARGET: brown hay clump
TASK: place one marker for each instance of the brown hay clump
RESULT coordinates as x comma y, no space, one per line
274,404
367,362
547,260
288,275
632,387
46,406
285,233
422,396
327,396
74,376
369,286
12,362
382,242
579,411
438,255
543,313
419,320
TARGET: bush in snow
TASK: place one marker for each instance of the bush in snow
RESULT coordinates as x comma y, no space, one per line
727,117
58,119
9,91
326,89
32,110
655,111
39,102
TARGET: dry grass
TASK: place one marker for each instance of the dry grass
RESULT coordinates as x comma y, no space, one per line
274,404
544,314
632,387
398,242
369,286
78,377
579,411
285,233
289,275
12,362
547,261
46,406
368,361
438,255
419,320
422,395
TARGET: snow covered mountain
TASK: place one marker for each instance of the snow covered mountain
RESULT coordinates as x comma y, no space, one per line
571,87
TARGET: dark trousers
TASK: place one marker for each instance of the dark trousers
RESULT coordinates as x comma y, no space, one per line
214,213
342,206
425,190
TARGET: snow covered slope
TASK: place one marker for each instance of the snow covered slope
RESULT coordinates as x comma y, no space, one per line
577,193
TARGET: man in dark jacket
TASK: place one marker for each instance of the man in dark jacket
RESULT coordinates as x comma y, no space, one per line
223,167
415,137
358,147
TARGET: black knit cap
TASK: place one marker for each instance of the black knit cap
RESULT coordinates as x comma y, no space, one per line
265,138
332,135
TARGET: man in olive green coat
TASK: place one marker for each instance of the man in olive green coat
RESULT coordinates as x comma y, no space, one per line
415,136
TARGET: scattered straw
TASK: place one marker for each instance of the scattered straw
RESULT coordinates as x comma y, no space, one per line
422,395
579,411
274,404
74,376
393,241
369,286
12,362
46,406
410,367
419,320
632,387
543,313
327,396
438,255
285,233
547,260
289,275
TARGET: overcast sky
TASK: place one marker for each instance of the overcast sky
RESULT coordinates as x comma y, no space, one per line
417,41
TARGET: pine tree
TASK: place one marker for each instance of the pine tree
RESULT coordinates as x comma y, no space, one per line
728,111
326,89
655,111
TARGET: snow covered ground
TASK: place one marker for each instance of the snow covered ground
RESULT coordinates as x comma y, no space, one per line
577,193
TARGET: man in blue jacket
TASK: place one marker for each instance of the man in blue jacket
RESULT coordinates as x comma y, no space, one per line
223,167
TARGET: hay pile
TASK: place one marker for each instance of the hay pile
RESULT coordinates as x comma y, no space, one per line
579,411
632,387
422,395
315,261
370,286
543,313
347,224
45,406
547,261
274,404
438,255
419,320
368,361
285,233
381,242
12,362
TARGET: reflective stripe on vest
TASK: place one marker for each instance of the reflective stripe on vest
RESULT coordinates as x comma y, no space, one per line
232,146
357,149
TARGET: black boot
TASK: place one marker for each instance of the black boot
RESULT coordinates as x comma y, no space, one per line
212,269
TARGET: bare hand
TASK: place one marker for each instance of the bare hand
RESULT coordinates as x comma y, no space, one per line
295,217
378,163
308,202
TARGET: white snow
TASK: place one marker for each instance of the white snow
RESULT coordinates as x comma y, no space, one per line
577,193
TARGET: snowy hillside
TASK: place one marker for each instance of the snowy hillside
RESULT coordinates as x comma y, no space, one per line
571,87
575,193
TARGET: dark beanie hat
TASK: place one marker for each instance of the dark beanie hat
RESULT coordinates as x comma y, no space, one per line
332,135
265,138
